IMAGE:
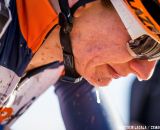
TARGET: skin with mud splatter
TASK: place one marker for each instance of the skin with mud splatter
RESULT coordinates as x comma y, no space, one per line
99,45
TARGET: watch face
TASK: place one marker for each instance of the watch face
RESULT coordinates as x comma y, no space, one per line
5,18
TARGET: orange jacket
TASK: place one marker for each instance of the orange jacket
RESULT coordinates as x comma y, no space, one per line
36,18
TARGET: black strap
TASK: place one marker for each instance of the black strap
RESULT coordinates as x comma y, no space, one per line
80,3
71,74
66,23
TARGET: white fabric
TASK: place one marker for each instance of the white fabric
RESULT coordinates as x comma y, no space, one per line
32,88
8,82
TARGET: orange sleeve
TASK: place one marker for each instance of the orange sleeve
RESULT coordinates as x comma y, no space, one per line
36,18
